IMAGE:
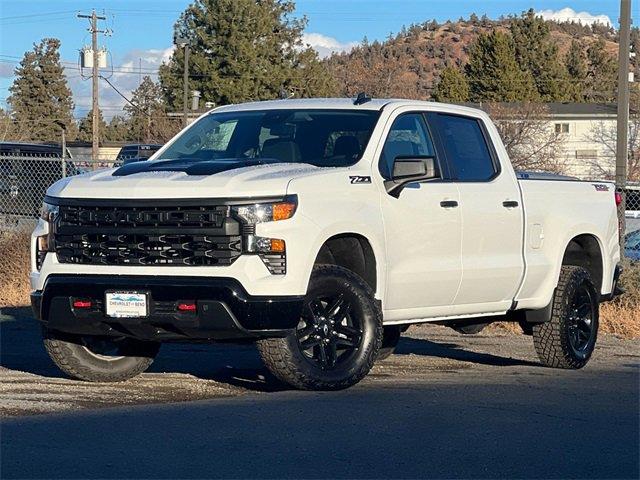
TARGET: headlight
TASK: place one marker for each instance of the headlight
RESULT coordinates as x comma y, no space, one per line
266,212
48,212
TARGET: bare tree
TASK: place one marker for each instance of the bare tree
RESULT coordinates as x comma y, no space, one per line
528,136
605,135
18,130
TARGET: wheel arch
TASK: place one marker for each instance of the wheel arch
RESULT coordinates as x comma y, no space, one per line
353,251
586,250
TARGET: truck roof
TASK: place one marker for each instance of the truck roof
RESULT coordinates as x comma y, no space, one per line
345,104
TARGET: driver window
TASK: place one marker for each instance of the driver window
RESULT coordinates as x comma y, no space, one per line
408,137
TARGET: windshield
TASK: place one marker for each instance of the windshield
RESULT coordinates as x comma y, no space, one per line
325,138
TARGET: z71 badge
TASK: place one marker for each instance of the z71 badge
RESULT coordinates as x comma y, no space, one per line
359,179
600,187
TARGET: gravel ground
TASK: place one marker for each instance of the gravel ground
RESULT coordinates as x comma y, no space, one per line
30,384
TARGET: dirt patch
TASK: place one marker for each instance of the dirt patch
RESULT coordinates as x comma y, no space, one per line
23,393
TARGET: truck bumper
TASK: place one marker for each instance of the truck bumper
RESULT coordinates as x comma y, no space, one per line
224,310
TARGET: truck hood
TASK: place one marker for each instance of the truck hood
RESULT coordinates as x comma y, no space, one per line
252,181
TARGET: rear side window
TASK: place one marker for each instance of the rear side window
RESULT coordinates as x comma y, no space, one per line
466,148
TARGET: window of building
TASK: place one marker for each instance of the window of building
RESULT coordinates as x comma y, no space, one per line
562,128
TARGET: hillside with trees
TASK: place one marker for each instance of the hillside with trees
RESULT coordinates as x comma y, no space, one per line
477,59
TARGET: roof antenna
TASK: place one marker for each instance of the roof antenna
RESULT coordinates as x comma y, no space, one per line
362,98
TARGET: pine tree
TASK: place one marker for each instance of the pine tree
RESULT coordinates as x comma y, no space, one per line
85,127
600,85
452,86
536,53
40,96
243,50
147,120
577,70
493,72
117,130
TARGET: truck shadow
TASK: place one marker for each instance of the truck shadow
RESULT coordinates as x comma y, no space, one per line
454,351
21,349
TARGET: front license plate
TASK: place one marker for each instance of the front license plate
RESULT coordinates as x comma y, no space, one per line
126,304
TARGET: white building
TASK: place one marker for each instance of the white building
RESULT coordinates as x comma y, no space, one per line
588,134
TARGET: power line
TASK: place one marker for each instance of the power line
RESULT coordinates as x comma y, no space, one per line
123,96
42,14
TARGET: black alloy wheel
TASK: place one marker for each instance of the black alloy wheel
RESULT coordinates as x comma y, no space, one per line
337,338
329,331
580,319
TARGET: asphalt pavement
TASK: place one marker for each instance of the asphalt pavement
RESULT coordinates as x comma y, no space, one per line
445,406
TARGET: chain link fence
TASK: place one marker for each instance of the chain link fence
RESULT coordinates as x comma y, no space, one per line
24,181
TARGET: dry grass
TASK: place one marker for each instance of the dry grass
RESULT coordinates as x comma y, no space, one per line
620,317
14,269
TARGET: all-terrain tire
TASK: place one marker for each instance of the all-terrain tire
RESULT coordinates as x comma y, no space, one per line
72,355
389,342
553,339
285,358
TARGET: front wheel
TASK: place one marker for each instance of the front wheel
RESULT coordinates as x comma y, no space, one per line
389,342
567,340
99,359
338,336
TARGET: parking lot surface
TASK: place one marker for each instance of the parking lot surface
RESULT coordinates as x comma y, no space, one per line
446,405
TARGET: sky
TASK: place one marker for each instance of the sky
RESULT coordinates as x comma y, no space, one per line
142,31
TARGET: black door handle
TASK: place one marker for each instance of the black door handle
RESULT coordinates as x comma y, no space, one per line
510,204
448,204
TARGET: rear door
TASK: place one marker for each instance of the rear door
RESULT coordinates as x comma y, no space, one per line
492,215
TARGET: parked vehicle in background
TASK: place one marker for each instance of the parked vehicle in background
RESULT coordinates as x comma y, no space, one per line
632,211
632,246
136,152
321,229
26,171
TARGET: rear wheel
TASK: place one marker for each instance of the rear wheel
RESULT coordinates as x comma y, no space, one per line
99,359
567,340
337,338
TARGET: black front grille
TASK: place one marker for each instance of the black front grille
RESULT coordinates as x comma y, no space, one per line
142,235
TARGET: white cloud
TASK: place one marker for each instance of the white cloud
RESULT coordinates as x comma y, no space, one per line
326,45
126,78
6,70
569,14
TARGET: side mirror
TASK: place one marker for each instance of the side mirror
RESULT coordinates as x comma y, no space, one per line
408,170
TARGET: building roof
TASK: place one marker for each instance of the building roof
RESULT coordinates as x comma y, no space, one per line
564,109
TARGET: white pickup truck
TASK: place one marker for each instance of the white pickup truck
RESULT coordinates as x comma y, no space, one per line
321,229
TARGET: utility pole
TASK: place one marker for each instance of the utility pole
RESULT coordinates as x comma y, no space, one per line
184,42
185,81
95,118
622,145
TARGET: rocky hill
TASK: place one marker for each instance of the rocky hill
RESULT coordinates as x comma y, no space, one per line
409,63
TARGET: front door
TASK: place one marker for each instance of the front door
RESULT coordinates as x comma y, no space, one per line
422,229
